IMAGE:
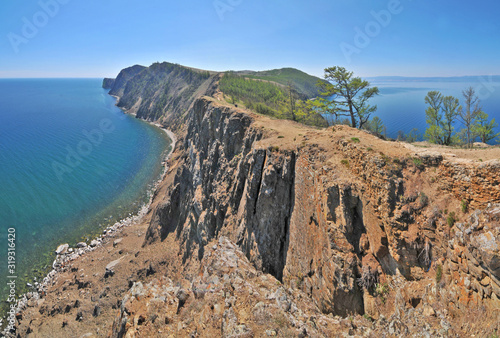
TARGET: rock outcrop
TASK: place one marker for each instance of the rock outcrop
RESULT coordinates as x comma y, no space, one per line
108,83
162,92
229,298
475,184
121,80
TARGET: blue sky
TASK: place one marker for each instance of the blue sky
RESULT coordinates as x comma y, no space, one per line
74,38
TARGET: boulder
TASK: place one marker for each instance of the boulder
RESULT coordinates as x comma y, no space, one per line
111,266
62,249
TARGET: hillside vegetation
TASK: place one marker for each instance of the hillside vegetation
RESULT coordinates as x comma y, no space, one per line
304,83
269,98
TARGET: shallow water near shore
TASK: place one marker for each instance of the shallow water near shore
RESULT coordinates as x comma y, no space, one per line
71,163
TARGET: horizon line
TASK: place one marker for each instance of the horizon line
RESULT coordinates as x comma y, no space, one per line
368,77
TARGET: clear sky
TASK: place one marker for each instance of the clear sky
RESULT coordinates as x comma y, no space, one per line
74,38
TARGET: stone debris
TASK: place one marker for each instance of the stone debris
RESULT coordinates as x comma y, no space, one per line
61,249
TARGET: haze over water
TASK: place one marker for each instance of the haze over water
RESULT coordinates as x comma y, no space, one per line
70,163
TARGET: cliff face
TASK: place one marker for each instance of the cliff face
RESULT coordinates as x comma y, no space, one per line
297,216
121,80
108,83
162,92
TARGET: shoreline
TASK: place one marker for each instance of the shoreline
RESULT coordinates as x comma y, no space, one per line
66,254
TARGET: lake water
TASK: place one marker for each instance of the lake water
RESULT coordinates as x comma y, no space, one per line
71,163
401,104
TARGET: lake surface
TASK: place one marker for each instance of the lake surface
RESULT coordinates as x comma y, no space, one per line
401,104
71,163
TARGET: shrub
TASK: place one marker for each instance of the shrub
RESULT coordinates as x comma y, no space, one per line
385,158
345,162
451,219
281,136
381,290
367,317
417,162
464,206
439,273
423,199
299,280
369,149
355,139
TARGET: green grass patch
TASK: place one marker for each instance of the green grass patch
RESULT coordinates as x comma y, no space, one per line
439,273
464,206
416,161
451,219
381,290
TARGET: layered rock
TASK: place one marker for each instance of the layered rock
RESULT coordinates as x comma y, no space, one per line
474,255
475,184
290,216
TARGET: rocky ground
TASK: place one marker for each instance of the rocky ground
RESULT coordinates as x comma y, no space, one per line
265,227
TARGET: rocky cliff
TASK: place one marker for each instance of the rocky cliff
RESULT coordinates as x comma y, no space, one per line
331,217
323,214
267,227
108,83
162,92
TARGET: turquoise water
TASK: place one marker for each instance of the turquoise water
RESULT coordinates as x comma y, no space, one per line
401,104
70,164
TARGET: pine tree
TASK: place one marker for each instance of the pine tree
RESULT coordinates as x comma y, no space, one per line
346,96
469,114
434,133
450,110
484,129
